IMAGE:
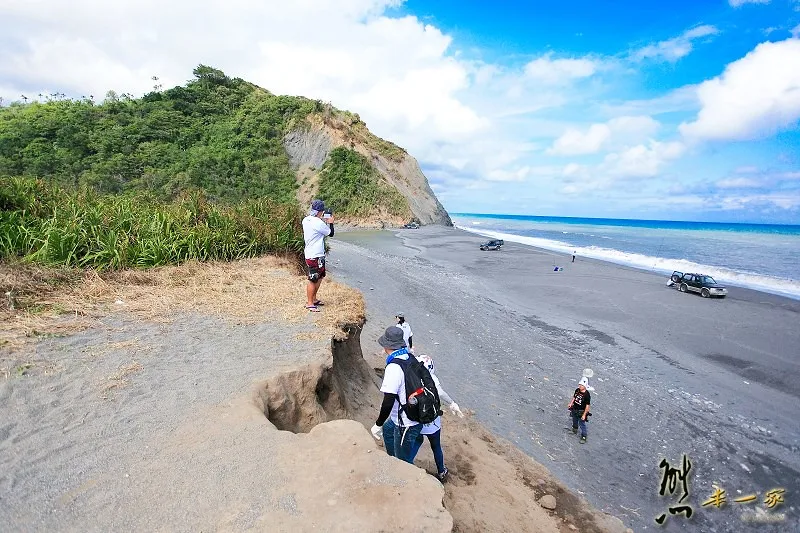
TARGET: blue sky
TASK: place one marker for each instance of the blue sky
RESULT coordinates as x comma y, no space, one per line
646,59
669,110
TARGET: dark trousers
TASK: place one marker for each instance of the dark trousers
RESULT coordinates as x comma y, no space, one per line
436,447
400,441
578,422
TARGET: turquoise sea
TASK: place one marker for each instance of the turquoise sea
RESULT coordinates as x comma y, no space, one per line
764,257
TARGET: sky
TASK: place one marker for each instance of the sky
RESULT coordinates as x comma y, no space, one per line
679,110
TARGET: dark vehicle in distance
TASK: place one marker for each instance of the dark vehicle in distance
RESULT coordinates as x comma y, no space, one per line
411,225
492,245
703,284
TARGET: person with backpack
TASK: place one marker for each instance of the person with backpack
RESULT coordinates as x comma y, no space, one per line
410,398
433,430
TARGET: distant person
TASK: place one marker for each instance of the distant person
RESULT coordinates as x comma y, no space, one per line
573,255
407,334
399,432
316,226
433,430
579,408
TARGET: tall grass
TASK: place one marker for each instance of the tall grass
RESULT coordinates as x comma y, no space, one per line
46,224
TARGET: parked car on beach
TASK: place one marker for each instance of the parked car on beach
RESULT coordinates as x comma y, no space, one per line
703,284
411,225
492,245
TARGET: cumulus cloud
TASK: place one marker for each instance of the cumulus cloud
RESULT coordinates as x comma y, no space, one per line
754,97
397,72
551,71
643,160
795,32
674,49
618,130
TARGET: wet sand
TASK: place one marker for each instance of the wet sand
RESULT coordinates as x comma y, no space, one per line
674,373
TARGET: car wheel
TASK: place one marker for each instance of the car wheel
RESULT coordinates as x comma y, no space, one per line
684,287
705,293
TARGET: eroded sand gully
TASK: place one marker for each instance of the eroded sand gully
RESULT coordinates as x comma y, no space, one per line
300,399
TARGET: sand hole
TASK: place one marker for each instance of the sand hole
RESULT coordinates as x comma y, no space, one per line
300,399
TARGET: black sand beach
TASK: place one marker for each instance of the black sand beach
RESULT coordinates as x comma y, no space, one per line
674,373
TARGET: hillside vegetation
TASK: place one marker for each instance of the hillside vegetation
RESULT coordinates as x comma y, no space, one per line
193,172
47,224
353,188
216,133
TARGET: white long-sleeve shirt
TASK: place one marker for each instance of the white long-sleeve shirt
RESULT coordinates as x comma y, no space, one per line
436,425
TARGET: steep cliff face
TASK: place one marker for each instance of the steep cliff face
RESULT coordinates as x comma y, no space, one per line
311,141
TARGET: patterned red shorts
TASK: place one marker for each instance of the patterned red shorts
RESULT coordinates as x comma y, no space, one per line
316,268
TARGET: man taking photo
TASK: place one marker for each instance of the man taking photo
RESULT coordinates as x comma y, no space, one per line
316,226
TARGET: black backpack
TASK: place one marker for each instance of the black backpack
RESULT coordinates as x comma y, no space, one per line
422,399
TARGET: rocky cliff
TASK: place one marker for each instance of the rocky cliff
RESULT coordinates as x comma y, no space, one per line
310,142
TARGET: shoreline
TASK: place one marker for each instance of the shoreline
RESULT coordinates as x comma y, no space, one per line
792,293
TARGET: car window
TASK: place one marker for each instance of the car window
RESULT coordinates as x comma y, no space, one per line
709,280
688,277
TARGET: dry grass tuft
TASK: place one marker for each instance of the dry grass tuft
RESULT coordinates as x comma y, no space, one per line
59,302
117,380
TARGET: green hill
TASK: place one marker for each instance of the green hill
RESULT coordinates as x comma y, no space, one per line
215,169
220,134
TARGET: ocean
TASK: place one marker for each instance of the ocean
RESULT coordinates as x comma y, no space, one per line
764,257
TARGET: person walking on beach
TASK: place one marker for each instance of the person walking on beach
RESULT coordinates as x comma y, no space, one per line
315,229
407,334
579,408
433,430
398,431
573,255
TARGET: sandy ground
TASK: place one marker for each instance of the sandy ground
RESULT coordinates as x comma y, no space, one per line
196,398
674,373
152,413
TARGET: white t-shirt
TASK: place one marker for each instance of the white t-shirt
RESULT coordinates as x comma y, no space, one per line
394,382
314,233
406,331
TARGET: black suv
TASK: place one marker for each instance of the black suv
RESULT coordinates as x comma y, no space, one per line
703,284
492,245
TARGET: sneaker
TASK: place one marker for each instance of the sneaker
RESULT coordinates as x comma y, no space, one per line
574,431
583,439
443,475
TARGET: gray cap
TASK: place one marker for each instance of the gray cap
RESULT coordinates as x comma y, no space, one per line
392,338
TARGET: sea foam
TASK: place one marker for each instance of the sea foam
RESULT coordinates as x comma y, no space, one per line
751,280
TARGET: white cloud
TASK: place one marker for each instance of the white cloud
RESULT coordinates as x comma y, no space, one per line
642,161
576,142
674,49
781,200
754,97
680,99
739,3
738,183
618,130
559,71
795,32
397,72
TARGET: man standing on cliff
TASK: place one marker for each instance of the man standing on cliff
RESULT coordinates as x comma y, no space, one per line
316,226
